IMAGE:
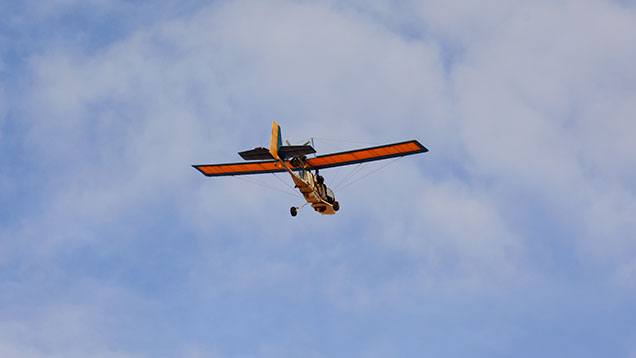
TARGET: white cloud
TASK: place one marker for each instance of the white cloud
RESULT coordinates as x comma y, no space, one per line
69,324
168,95
3,106
513,116
59,8
157,109
528,102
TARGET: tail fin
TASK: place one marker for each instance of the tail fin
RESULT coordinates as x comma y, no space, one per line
276,140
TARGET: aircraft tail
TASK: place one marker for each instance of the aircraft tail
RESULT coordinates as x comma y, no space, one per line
276,140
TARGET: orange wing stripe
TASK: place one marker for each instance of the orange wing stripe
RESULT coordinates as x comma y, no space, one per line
239,168
367,154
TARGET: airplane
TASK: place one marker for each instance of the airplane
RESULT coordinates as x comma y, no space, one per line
293,160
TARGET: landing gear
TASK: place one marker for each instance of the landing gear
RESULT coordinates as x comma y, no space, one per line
294,210
336,206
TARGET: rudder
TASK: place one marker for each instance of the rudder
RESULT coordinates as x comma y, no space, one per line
276,140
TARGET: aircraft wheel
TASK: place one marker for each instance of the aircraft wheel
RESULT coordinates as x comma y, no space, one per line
293,211
336,206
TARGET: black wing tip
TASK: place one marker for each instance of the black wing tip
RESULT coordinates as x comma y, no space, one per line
196,166
417,142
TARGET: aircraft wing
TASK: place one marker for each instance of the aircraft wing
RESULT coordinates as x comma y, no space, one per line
215,170
367,154
324,161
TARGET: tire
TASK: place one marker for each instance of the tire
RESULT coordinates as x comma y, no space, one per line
293,211
336,206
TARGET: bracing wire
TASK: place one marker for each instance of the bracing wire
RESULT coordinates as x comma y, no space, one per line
346,175
282,181
350,175
357,170
271,187
334,140
338,170
371,172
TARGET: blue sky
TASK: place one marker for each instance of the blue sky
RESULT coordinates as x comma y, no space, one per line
514,236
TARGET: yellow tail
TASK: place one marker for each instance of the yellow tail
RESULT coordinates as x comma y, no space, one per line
276,140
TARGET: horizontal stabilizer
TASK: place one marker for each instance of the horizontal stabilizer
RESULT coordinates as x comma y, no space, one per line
290,151
256,154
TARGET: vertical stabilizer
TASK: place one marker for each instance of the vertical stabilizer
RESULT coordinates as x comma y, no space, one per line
276,140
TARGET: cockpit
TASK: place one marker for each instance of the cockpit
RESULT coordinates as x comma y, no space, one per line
323,191
331,197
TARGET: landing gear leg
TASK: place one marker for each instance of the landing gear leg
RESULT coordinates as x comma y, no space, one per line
294,210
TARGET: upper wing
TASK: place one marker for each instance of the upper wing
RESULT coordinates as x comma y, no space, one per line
213,170
367,154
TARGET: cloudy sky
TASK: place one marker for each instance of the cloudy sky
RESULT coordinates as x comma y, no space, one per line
514,236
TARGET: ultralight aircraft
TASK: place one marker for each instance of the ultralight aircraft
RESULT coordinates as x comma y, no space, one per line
293,159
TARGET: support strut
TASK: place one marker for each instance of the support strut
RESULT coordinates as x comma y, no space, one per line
294,210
